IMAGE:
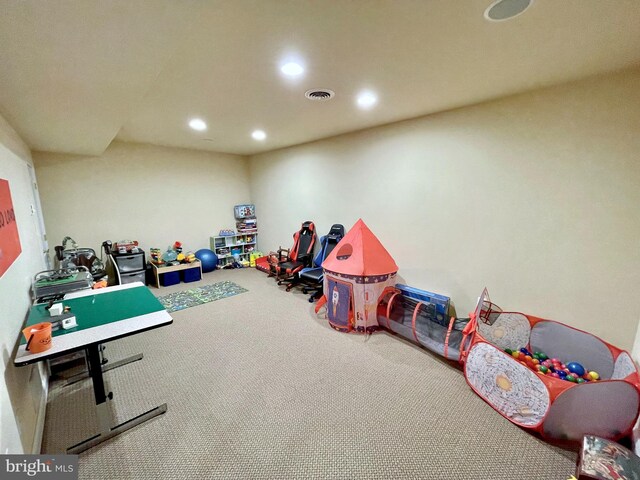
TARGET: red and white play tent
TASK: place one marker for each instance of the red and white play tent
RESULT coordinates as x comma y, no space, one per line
356,273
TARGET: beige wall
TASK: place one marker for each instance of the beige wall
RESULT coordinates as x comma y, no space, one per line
152,194
21,389
535,196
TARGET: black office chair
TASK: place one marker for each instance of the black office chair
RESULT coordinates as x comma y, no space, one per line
300,256
311,279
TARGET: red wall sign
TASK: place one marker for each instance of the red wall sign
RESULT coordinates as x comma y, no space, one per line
9,239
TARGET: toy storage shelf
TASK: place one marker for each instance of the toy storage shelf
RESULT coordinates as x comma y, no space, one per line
161,269
242,244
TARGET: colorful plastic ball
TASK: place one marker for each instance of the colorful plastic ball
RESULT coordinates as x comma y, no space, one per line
508,351
580,380
594,375
570,378
575,367
555,375
555,360
535,361
562,373
542,356
543,369
515,354
524,350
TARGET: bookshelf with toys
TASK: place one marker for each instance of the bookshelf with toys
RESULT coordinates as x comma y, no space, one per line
235,247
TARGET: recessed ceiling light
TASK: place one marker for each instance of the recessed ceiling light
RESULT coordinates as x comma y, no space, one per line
197,124
259,135
502,10
366,100
292,69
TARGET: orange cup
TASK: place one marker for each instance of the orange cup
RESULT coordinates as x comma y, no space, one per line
38,337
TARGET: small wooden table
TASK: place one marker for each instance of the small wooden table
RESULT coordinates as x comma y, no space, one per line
160,269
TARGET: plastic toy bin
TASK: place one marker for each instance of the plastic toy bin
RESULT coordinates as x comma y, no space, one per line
190,275
553,407
169,278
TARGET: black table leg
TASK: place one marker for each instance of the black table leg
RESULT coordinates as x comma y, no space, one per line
102,409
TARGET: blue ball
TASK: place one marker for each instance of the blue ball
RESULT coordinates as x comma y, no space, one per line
562,373
208,259
575,367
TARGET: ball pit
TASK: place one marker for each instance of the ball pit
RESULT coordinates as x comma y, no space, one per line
556,380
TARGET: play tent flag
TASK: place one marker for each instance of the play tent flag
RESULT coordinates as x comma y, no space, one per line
355,274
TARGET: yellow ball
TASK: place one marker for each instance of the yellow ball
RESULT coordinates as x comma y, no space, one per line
515,354
594,375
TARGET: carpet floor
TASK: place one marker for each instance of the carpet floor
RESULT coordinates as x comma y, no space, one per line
259,387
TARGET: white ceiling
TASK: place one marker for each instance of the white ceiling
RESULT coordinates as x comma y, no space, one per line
76,74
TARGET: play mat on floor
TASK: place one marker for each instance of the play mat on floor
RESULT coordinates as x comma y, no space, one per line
197,296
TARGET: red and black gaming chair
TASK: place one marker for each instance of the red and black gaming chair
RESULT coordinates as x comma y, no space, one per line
300,256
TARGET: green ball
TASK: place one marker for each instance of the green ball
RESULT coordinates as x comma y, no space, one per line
580,380
543,369
508,350
542,357
570,378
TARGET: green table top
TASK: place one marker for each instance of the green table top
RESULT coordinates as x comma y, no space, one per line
100,309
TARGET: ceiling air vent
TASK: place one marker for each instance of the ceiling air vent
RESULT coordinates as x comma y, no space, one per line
320,94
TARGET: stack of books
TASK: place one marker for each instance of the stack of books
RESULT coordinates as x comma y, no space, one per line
247,225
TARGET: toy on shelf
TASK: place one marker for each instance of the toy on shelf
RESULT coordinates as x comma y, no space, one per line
156,256
172,256
245,218
244,211
169,256
227,232
126,246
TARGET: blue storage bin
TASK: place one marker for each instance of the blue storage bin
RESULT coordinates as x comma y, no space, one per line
191,275
169,278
